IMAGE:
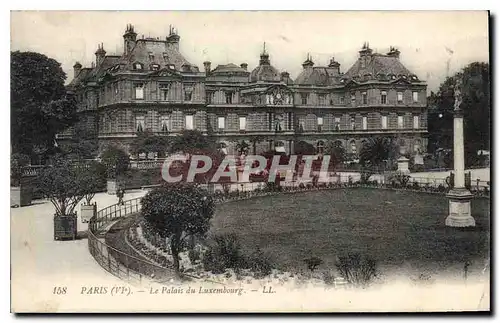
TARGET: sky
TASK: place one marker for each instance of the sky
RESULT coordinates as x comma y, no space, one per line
428,40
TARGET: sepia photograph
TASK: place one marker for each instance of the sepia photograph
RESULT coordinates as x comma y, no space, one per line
250,161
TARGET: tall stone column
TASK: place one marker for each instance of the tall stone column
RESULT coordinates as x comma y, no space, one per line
459,213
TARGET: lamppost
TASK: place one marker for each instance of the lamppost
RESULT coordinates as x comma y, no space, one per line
459,213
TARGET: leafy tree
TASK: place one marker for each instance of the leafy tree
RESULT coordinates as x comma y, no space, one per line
17,162
476,106
61,185
178,212
192,141
40,106
304,148
256,140
116,161
146,142
242,147
84,145
336,151
376,151
91,178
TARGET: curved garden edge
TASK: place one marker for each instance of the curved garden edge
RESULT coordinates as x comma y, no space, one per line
249,195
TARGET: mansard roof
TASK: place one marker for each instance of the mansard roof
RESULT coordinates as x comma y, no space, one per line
318,76
151,51
81,77
265,73
378,66
228,69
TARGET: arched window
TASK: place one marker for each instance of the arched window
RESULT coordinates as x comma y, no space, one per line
320,147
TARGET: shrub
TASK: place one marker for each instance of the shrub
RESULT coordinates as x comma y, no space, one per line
441,188
415,185
313,263
260,263
194,255
224,253
399,179
355,269
116,161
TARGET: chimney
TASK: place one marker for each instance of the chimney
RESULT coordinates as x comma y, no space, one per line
393,52
76,69
100,54
173,39
365,55
244,66
207,65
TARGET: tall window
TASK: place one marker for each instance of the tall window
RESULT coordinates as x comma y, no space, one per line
139,123
165,125
383,97
415,96
417,145
303,97
320,147
353,98
139,91
354,148
320,123
290,120
364,96
322,99
353,122
400,122
384,122
189,122
341,100
400,97
270,119
164,92
221,123
365,123
243,123
337,123
229,97
188,93
416,122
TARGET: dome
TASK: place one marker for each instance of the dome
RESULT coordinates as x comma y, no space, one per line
265,71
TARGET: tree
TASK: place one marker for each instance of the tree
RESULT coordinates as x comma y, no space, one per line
146,142
304,148
17,162
242,147
476,109
178,212
116,161
61,185
256,140
336,151
376,151
92,178
82,146
192,141
40,106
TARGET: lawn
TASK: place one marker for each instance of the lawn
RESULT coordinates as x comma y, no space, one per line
397,228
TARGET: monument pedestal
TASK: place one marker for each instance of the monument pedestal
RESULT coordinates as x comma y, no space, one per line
459,208
403,165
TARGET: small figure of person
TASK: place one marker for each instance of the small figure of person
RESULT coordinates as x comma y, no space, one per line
120,195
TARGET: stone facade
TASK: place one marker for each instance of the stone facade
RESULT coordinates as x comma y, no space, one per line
152,87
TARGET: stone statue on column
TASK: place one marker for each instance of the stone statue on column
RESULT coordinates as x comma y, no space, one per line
459,214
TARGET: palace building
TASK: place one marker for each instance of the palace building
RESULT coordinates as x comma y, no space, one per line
152,87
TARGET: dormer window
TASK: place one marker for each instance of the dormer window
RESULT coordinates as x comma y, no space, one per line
165,57
155,67
151,56
393,77
171,66
137,66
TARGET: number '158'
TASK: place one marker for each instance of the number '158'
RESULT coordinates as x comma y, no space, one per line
59,290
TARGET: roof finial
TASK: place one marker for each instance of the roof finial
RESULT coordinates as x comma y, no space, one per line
264,50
